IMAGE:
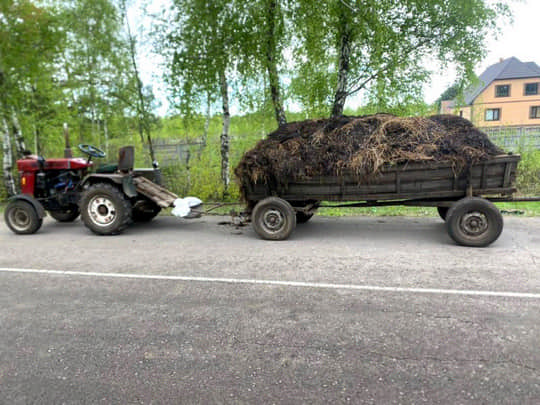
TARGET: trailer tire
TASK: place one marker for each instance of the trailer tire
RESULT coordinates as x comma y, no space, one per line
273,219
105,210
22,218
443,212
474,222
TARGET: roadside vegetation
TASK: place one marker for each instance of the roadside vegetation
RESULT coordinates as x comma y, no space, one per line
234,70
200,176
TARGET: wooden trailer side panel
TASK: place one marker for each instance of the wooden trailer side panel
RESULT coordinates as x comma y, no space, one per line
408,181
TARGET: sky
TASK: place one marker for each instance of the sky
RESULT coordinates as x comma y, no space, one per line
519,39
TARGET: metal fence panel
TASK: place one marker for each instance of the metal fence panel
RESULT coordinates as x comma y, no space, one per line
514,138
172,151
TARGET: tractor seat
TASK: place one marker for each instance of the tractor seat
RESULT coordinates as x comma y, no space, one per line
107,168
124,165
126,158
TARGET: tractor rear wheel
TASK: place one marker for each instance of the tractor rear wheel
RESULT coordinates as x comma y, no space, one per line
67,215
145,210
22,218
105,210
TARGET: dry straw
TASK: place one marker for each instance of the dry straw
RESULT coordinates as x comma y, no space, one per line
362,146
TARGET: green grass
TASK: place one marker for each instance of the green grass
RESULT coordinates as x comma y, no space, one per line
528,209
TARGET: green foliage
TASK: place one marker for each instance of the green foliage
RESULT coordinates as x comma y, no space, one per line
528,175
389,40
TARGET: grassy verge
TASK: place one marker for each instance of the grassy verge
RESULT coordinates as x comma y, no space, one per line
529,209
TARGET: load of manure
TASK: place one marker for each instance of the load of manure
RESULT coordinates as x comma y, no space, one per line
362,146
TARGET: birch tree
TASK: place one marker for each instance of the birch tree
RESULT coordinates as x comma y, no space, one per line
95,69
7,163
272,34
142,104
379,46
201,42
29,38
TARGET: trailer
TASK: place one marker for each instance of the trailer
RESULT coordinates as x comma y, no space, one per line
464,198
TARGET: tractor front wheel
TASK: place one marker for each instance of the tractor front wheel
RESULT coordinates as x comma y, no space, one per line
22,218
105,210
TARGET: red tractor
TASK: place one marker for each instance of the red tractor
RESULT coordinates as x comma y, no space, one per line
108,199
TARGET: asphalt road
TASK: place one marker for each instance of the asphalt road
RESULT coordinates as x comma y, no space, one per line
349,310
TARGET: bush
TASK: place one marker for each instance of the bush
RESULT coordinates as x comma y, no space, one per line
528,174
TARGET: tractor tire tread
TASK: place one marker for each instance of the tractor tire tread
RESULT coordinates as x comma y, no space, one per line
124,204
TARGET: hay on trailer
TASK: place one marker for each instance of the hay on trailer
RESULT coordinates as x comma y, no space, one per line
362,146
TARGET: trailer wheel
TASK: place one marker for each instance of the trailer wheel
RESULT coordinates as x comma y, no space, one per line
443,212
22,218
67,215
273,219
105,210
474,222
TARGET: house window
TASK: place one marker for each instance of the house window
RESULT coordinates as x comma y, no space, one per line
531,89
535,112
502,90
493,114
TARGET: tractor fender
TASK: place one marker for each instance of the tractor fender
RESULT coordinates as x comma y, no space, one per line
125,181
102,178
35,203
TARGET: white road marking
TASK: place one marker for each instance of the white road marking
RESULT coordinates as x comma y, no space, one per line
302,284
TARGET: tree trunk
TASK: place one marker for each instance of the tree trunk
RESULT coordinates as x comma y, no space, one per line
106,134
206,121
225,133
271,62
37,142
204,139
8,161
20,146
142,110
345,33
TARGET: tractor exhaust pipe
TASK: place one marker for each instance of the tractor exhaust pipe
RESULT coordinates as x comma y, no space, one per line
67,149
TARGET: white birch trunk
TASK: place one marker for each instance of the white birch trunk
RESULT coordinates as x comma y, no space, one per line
106,134
204,139
225,133
8,160
343,65
143,110
20,146
271,64
207,121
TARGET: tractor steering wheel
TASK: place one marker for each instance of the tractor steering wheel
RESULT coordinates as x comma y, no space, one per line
91,151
